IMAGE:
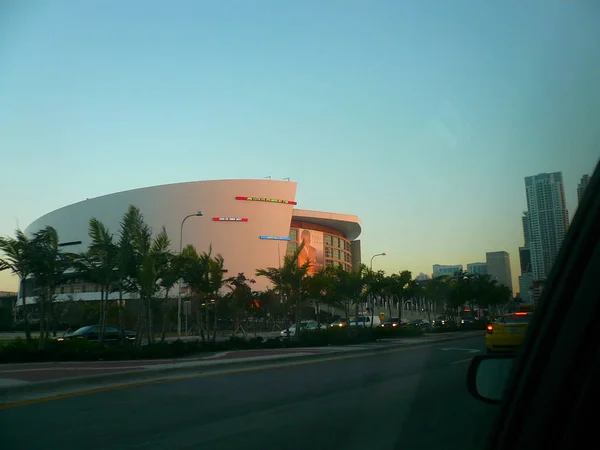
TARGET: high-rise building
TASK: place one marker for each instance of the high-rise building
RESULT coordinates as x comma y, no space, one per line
440,270
525,259
585,179
498,266
526,229
526,287
546,220
477,268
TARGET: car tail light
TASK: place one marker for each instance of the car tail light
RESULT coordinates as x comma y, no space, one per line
489,329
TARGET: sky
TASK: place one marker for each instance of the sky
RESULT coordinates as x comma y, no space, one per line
421,117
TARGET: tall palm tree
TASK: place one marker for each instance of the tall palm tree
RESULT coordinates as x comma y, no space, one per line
126,259
18,257
216,273
197,271
169,270
240,299
99,265
317,286
49,268
351,286
288,279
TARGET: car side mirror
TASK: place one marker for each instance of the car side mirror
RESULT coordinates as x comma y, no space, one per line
488,377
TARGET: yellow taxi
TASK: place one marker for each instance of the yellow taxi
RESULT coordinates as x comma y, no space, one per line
506,333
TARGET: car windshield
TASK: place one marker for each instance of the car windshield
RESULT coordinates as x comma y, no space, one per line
83,330
291,223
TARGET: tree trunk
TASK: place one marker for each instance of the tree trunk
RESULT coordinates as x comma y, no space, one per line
26,325
372,310
149,327
199,321
121,314
166,311
214,337
206,303
138,323
42,320
102,307
298,317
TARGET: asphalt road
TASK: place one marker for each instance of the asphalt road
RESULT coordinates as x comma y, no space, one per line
415,398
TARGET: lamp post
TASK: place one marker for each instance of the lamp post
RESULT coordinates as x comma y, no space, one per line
375,256
196,214
372,300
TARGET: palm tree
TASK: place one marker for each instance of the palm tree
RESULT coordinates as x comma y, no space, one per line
99,265
288,280
169,269
401,287
317,287
351,286
126,259
18,258
216,272
241,298
202,274
49,267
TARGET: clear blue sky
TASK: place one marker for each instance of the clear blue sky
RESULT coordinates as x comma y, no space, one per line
421,117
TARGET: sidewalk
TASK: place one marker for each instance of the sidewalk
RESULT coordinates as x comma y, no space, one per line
31,378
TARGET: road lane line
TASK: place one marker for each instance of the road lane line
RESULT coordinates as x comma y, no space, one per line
461,361
16,404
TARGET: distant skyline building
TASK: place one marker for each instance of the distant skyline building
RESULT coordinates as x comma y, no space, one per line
585,179
477,268
526,229
422,277
526,277
526,287
546,221
525,259
498,266
440,270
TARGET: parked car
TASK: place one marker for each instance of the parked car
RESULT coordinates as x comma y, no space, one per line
92,333
365,321
304,325
339,323
394,322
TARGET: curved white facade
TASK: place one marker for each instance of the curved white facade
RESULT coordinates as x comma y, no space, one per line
269,214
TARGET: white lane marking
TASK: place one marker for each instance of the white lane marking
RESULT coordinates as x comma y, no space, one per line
461,361
468,350
217,355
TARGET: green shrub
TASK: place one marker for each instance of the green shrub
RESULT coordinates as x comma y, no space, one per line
19,351
399,332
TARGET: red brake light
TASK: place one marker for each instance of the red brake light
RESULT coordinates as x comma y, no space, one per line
521,313
489,329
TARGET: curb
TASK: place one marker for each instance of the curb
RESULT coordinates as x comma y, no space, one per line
163,373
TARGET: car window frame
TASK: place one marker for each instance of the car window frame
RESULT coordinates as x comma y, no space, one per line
533,413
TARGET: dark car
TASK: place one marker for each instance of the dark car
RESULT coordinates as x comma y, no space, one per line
394,322
442,321
92,333
422,324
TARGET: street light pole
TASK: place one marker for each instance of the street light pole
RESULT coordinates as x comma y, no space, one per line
196,214
372,300
373,257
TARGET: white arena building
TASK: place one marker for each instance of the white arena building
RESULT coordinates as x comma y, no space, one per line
251,223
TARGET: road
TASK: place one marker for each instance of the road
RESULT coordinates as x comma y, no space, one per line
413,398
